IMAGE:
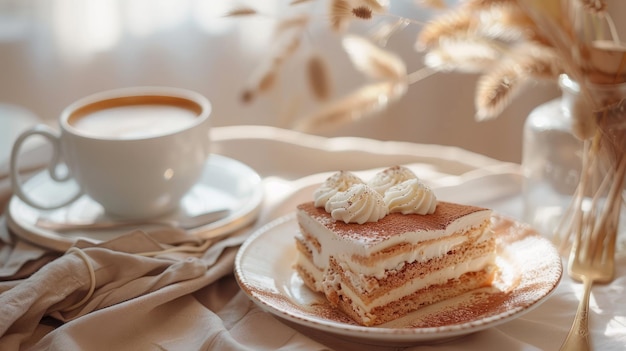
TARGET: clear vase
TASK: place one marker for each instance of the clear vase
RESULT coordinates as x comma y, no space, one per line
552,159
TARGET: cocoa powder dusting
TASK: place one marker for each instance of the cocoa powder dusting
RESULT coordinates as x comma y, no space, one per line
392,224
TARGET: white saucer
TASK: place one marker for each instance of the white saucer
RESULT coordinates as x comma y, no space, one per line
225,184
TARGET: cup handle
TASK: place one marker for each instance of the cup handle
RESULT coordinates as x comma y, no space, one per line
16,183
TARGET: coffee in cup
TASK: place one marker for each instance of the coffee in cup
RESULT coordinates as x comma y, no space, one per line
136,151
132,118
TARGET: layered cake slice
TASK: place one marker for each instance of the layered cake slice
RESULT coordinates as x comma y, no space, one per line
381,249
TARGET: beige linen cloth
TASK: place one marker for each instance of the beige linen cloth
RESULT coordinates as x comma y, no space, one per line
110,297
172,301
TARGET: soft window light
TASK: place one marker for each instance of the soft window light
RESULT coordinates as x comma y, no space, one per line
86,27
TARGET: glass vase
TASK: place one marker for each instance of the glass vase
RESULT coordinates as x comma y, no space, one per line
552,160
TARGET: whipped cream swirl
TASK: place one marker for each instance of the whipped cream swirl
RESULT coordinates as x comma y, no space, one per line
410,196
338,182
358,204
396,189
389,177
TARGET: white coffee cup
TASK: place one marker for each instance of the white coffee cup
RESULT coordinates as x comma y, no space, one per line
136,151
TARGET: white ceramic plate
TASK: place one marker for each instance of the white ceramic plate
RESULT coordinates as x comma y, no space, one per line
225,184
529,271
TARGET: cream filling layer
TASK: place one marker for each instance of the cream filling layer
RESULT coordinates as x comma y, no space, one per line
316,272
423,254
435,278
331,247
335,246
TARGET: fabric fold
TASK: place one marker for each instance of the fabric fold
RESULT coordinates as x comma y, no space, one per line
118,273
19,258
145,321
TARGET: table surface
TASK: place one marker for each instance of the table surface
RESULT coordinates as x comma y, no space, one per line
290,163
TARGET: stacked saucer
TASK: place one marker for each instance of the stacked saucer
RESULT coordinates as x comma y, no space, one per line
227,188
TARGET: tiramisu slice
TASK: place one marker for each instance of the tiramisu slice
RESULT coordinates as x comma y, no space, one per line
382,249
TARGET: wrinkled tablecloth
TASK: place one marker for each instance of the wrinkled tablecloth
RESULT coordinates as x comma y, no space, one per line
110,297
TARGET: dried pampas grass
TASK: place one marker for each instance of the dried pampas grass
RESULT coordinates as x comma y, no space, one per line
611,123
241,12
262,81
506,21
374,5
499,86
537,61
594,6
361,103
448,25
510,43
340,14
298,2
500,40
319,77
495,91
503,21
362,12
297,22
373,61
463,53
433,4
383,31
583,127
484,4
264,77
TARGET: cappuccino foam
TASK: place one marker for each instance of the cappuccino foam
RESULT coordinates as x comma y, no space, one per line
134,121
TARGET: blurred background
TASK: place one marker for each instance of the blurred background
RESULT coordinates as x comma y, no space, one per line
53,52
